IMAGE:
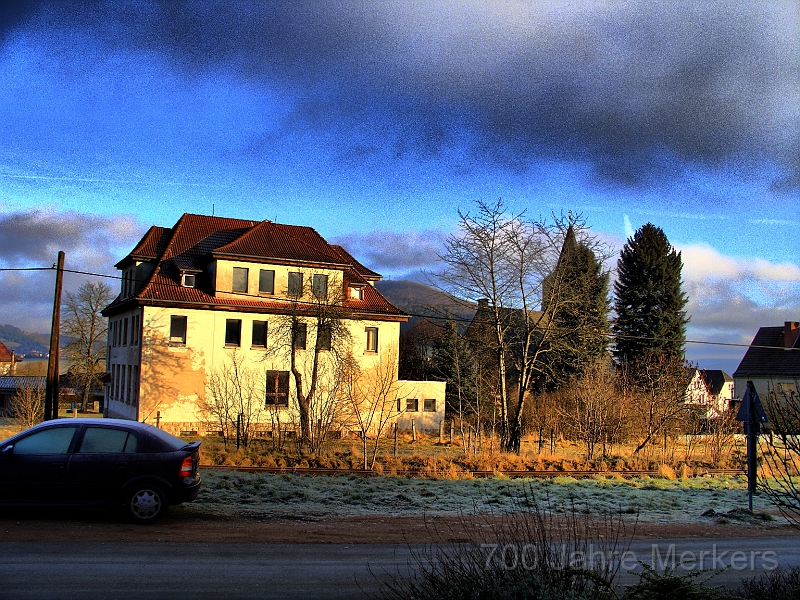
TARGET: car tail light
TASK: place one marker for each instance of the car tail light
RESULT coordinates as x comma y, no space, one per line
186,467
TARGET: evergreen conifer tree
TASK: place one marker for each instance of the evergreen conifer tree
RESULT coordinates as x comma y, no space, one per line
580,313
649,302
453,362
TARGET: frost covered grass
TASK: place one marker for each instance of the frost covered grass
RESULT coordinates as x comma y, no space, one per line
653,500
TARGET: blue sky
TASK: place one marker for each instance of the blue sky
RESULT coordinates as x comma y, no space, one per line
375,122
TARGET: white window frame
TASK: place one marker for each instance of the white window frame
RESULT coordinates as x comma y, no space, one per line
372,340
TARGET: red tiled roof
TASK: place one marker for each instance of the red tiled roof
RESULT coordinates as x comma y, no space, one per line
272,241
5,353
195,240
150,246
362,270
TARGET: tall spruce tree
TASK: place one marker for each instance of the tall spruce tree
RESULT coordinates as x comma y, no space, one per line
649,302
582,313
453,361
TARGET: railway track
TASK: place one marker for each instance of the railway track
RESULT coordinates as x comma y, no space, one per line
478,474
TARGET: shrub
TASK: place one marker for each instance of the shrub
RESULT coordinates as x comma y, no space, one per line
529,553
780,584
669,586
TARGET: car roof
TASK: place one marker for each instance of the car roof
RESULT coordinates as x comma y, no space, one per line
70,421
95,421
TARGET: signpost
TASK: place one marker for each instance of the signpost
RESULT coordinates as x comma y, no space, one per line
752,414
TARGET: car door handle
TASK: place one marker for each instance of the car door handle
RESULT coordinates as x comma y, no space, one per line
57,465
122,465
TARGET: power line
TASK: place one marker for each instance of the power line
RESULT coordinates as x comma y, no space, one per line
447,317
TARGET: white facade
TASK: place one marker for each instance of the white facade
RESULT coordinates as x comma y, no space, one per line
181,322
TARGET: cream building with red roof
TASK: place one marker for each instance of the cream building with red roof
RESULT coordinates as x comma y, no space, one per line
7,360
208,288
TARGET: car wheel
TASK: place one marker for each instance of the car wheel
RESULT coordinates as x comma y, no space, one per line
146,504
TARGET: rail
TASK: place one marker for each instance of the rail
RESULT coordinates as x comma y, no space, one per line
480,474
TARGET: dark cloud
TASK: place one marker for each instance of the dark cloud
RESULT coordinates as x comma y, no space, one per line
628,88
392,253
32,239
623,89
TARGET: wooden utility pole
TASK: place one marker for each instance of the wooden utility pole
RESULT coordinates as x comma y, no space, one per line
51,387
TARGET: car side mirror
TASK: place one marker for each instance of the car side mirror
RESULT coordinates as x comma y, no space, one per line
7,451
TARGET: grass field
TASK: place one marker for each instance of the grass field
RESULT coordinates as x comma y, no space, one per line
653,500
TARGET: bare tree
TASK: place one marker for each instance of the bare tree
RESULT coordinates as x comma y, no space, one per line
313,337
235,399
372,396
781,449
27,406
721,436
87,329
658,395
513,263
476,267
593,413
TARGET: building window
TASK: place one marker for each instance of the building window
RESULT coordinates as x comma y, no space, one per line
324,337
372,339
266,282
319,286
233,332
135,330
299,332
125,331
259,334
412,405
356,293
429,405
277,388
135,398
129,384
177,330
189,279
295,284
240,279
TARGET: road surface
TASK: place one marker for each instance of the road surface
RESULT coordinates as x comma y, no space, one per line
200,570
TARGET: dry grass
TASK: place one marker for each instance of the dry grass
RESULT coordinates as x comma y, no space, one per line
445,460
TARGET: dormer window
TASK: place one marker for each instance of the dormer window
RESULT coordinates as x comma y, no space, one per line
188,280
356,293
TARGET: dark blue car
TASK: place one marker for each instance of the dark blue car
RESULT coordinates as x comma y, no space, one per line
99,462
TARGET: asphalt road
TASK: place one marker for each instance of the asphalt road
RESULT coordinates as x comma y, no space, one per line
145,570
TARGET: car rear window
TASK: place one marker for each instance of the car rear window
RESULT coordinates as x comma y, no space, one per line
174,443
50,441
106,440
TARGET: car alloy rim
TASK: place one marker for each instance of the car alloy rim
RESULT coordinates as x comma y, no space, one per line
145,503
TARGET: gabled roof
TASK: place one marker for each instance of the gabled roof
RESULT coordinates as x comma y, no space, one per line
768,357
196,240
268,240
360,269
715,380
5,353
149,247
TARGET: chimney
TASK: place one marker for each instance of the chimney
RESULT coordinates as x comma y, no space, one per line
13,369
791,331
483,303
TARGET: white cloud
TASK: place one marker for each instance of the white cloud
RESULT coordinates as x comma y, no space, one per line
702,262
628,228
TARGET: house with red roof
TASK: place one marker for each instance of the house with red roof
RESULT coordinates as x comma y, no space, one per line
196,295
7,360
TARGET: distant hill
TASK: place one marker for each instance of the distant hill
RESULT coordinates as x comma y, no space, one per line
418,299
21,342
